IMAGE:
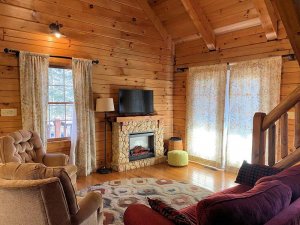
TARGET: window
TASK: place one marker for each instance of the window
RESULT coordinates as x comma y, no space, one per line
220,109
60,103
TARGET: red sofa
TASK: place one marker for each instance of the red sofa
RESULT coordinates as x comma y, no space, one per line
289,215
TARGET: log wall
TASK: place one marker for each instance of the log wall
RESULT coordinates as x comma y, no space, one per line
132,53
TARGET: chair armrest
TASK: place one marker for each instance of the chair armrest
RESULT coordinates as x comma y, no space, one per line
87,206
55,159
138,214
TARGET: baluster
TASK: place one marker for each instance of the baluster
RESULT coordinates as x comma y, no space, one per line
271,144
297,126
259,138
284,135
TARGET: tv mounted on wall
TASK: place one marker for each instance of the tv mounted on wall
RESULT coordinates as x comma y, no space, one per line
135,102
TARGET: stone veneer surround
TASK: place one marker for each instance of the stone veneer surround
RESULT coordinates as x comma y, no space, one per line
122,128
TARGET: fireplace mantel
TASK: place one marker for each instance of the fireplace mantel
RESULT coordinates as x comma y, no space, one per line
122,119
123,127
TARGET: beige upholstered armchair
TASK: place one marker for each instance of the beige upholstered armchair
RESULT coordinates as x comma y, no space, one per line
27,147
32,194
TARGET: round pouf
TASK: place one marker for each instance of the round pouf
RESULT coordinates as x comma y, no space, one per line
178,158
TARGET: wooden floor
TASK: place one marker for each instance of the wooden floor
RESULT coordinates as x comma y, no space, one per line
194,173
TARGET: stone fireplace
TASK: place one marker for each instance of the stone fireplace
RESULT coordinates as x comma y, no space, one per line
137,142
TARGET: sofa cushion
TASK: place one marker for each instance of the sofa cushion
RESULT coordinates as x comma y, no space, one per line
288,216
256,206
290,177
36,171
250,173
170,213
238,189
137,214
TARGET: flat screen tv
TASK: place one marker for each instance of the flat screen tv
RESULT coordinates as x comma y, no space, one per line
135,102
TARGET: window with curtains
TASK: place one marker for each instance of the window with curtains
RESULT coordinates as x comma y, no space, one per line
221,102
60,103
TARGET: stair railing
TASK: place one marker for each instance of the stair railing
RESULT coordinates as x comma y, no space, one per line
263,123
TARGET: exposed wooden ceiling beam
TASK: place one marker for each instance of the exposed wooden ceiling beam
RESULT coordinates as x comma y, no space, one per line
201,22
154,19
268,17
289,11
223,30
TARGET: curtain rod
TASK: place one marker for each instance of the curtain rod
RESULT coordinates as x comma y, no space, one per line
16,52
289,57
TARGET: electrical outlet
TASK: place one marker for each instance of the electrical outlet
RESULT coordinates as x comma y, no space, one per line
8,112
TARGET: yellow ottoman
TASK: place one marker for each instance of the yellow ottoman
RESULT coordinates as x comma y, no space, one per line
178,158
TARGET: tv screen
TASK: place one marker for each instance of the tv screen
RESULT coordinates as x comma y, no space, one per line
135,102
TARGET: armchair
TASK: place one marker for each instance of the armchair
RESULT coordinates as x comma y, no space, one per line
32,194
27,147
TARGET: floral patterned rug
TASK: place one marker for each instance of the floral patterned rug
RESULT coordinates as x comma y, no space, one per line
119,194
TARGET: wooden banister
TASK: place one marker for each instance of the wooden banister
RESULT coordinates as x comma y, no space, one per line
297,126
283,107
263,123
284,135
258,139
290,160
272,145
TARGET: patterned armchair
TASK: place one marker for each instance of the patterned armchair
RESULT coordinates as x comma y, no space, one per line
27,147
32,194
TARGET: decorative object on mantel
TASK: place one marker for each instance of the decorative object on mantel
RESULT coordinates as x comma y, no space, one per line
119,194
105,105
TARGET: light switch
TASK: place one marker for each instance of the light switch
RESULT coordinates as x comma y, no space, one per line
8,112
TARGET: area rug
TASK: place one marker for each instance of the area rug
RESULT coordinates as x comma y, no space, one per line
119,194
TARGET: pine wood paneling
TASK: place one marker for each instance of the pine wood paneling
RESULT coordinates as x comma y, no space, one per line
131,51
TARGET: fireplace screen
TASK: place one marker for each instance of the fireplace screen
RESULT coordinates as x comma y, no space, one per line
141,146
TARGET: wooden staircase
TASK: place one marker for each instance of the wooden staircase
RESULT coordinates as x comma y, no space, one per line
289,11
263,123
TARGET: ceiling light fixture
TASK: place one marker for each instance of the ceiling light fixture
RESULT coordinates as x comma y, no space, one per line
55,29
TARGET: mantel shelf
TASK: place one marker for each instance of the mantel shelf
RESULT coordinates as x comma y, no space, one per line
136,118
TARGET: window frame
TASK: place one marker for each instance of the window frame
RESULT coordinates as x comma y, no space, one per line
57,139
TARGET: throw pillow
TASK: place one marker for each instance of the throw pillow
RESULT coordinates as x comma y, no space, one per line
256,206
169,212
250,173
290,177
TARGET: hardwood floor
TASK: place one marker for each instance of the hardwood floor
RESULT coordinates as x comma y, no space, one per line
196,174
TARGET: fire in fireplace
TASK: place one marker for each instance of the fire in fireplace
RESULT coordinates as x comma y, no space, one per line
141,146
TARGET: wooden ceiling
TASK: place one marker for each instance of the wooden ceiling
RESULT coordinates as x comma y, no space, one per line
186,20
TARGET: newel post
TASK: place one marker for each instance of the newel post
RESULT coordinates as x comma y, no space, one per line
258,139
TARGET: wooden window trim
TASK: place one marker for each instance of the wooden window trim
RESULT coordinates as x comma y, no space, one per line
50,140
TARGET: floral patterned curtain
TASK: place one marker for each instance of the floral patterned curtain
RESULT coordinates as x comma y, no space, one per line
205,113
34,92
254,87
83,144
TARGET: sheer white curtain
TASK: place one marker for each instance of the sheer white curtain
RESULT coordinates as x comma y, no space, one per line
254,86
205,113
83,150
34,92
